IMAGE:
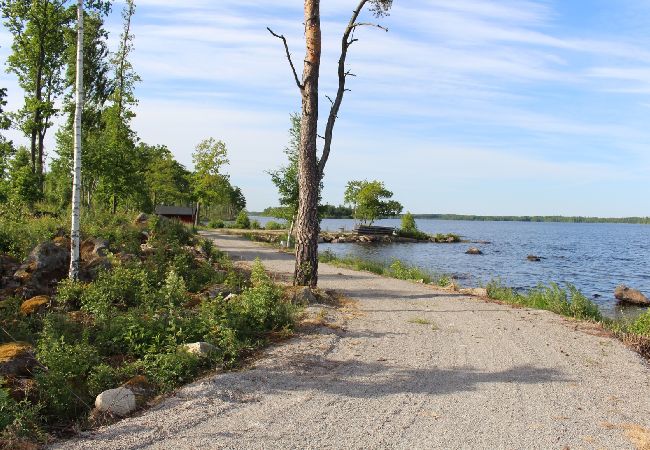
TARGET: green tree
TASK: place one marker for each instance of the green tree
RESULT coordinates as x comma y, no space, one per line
286,177
210,186
6,149
370,200
408,223
23,182
167,181
38,60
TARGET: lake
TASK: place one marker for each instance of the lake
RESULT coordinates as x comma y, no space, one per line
593,257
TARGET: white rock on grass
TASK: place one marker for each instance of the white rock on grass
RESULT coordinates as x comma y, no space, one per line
119,401
200,348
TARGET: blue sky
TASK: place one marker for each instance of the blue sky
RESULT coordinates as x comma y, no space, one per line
464,106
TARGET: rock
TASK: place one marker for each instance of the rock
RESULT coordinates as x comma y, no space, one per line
8,265
230,297
120,401
91,249
303,295
141,388
22,388
46,264
200,348
477,292
61,241
321,240
219,290
630,296
474,251
17,359
141,218
34,305
533,258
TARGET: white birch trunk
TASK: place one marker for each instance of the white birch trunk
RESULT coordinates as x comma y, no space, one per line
76,181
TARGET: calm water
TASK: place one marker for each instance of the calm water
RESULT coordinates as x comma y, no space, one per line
594,257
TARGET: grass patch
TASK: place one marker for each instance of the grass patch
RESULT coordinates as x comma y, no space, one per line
568,302
420,321
396,269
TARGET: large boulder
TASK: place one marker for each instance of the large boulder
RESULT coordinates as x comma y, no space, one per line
17,359
474,251
8,265
120,401
630,296
141,218
47,264
92,248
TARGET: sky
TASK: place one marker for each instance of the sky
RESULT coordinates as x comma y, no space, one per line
492,107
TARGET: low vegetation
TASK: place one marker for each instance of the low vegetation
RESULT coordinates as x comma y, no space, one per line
131,320
396,269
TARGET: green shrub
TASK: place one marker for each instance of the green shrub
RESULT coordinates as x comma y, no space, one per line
169,232
449,237
69,293
242,220
255,225
405,272
169,370
18,419
62,387
273,225
413,234
260,308
102,378
216,224
408,223
641,325
19,234
120,288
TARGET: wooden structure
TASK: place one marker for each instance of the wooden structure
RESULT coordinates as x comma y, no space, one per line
369,230
185,214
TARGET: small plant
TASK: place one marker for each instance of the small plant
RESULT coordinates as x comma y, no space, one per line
254,225
216,224
242,221
420,321
273,225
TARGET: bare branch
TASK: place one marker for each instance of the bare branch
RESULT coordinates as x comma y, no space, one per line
368,24
286,48
330,99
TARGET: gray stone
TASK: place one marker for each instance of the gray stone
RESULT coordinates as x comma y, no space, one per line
533,258
119,401
630,296
474,251
200,348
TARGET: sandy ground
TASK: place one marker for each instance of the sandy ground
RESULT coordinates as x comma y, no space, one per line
408,367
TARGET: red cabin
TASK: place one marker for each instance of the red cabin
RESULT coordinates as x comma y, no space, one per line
185,214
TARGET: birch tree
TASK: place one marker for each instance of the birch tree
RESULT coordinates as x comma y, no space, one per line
76,180
310,167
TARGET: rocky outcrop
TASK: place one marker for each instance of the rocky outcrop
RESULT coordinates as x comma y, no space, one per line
142,389
17,359
533,258
120,401
34,305
93,253
44,267
627,295
474,251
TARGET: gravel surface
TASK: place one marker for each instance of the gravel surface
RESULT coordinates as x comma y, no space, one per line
407,366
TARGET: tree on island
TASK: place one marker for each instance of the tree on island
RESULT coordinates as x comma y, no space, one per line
370,200
311,168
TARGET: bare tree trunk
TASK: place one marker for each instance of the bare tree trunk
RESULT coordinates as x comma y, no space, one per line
198,211
76,182
289,235
307,226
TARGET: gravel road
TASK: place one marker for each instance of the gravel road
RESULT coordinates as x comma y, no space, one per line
407,367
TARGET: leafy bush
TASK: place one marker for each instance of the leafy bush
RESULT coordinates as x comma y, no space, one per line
62,386
260,308
242,220
413,234
121,287
169,232
69,293
17,419
408,223
216,224
254,225
641,325
273,225
169,370
19,234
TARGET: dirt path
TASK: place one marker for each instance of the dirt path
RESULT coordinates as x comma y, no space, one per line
413,368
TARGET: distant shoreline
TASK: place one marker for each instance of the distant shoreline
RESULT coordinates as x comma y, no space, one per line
475,218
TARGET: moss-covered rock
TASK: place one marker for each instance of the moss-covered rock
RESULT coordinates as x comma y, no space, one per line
34,305
17,359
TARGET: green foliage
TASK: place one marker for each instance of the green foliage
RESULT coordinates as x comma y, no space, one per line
18,419
69,293
641,325
408,223
286,177
255,225
216,224
449,237
366,198
120,288
169,232
24,184
567,302
19,234
169,370
242,220
272,225
397,269
62,386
